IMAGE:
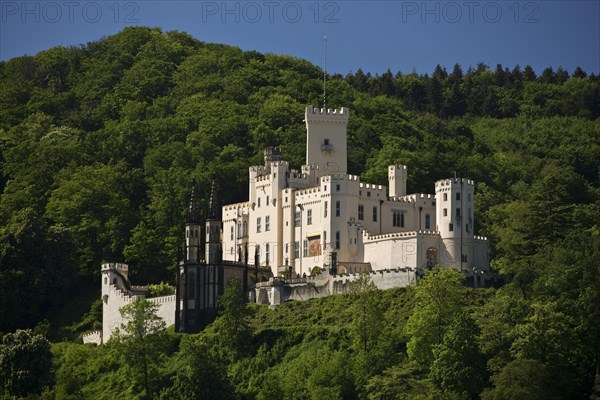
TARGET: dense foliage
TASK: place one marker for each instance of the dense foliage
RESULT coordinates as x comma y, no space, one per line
99,146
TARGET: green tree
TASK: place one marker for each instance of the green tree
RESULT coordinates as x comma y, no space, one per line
367,323
458,364
520,379
25,363
233,326
201,374
401,381
439,299
142,338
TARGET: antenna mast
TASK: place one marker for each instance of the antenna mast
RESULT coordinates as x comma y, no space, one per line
324,71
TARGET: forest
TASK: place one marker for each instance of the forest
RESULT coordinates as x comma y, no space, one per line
99,145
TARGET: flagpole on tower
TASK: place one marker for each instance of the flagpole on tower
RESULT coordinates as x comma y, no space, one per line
324,71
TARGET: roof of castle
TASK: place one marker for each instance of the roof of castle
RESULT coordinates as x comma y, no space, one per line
213,209
193,217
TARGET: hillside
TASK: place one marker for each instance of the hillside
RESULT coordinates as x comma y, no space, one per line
100,143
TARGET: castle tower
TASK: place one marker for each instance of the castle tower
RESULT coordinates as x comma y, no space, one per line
454,215
192,230
115,285
200,282
187,282
212,271
326,143
397,175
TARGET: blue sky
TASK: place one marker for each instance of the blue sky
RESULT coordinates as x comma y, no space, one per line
372,35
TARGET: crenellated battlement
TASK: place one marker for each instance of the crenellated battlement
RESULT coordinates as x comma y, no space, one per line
301,192
340,177
162,299
236,206
371,186
121,267
412,198
330,113
453,181
398,235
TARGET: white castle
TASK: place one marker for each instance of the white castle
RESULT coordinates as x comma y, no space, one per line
314,231
323,217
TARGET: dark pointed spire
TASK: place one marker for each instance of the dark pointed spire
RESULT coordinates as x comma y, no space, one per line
193,207
212,204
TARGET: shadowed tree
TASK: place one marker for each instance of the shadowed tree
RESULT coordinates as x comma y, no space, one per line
25,363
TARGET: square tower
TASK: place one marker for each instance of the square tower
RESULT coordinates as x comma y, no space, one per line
397,180
326,143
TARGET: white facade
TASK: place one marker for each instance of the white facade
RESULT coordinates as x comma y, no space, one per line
293,220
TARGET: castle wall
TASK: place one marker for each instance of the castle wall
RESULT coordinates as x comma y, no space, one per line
166,308
276,291
94,337
112,303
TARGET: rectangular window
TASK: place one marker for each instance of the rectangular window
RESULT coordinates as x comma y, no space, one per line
267,253
337,240
287,248
469,197
457,196
309,217
337,187
368,194
445,212
324,239
267,223
464,258
325,210
398,219
361,212
240,229
451,227
296,249
258,225
458,211
267,203
427,221
258,202
375,214
297,219
445,196
337,208
305,248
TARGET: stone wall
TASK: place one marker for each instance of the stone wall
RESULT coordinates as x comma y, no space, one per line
277,290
